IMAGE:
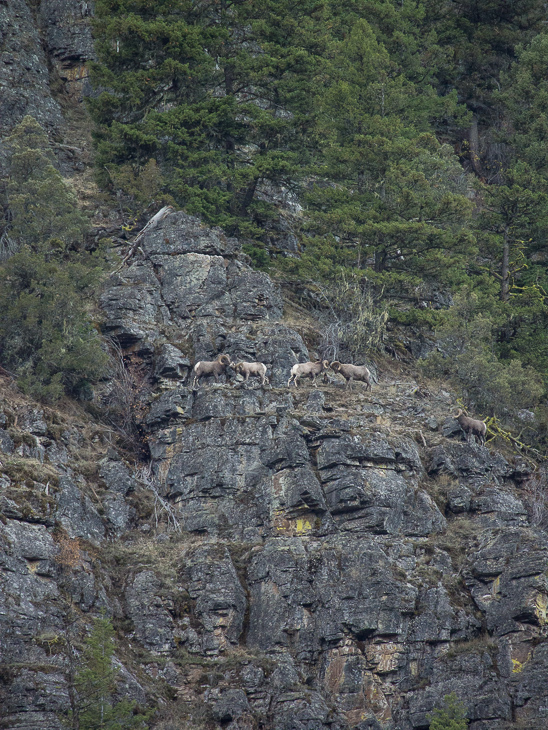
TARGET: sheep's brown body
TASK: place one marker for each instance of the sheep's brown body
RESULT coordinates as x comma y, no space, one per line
213,367
307,369
352,372
471,426
252,368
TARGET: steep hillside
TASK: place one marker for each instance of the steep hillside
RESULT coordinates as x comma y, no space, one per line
283,558
280,558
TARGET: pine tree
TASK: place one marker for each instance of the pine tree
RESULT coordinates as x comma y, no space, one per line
392,196
46,336
42,205
451,717
95,684
513,225
216,92
525,101
515,221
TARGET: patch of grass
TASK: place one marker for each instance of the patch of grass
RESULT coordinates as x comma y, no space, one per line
34,504
22,437
477,645
461,533
28,471
165,558
438,488
183,715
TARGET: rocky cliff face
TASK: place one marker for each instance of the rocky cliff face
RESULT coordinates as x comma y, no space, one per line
294,559
45,49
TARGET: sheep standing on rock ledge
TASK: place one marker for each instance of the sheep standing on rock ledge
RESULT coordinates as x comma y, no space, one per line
352,372
471,426
251,368
214,367
307,369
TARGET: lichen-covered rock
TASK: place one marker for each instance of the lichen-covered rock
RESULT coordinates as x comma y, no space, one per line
470,461
33,689
6,443
149,612
291,559
76,513
67,30
24,74
171,363
220,599
189,274
508,582
134,307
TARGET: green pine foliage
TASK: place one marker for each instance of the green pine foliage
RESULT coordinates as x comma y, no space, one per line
412,133
467,356
525,99
480,40
97,707
46,336
451,717
42,205
393,197
215,92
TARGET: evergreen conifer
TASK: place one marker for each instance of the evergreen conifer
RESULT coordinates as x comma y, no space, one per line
96,706
46,336
451,717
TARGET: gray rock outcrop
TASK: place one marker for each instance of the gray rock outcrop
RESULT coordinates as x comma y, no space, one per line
295,559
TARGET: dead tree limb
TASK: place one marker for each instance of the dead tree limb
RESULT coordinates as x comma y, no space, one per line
151,225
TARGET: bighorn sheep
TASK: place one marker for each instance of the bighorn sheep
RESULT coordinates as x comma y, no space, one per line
352,372
307,369
214,367
251,368
470,426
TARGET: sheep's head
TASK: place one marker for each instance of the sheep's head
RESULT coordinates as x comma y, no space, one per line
459,413
335,366
238,367
224,359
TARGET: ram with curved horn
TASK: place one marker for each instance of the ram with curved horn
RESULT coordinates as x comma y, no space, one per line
352,372
213,367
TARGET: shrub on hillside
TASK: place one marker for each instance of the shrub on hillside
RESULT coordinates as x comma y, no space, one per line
466,356
451,717
46,336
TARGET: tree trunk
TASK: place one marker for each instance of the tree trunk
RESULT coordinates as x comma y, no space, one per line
505,274
380,260
249,195
473,139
